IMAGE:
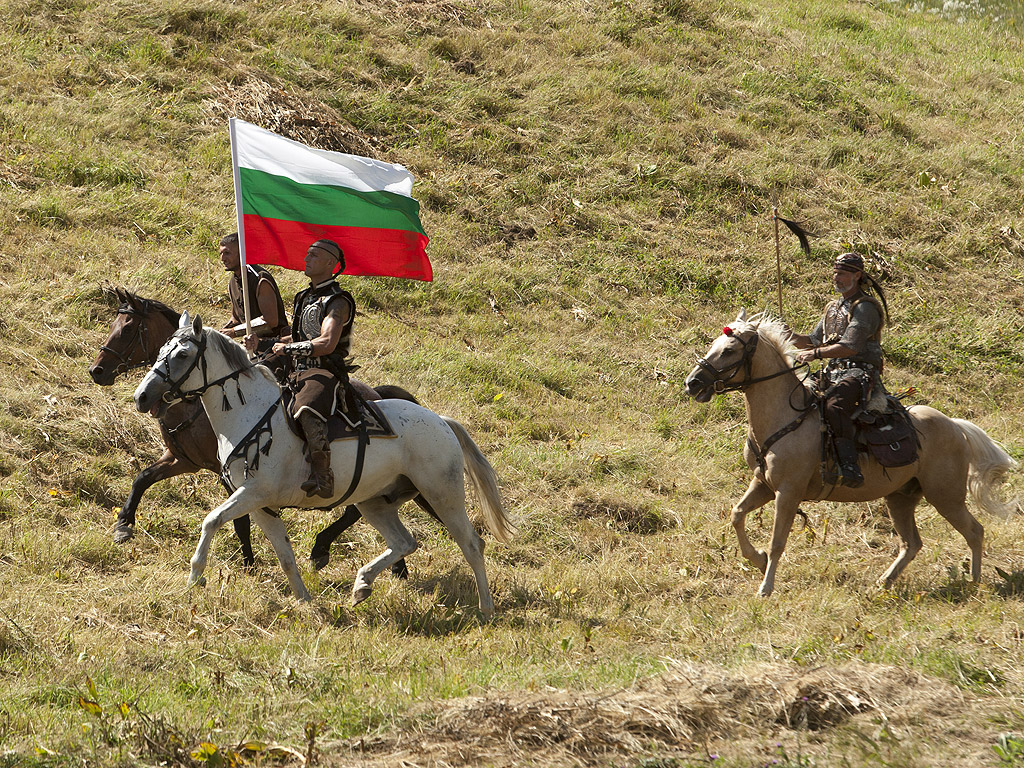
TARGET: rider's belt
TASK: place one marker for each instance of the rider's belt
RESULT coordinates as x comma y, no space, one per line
846,362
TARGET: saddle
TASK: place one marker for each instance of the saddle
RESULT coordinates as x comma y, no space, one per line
369,419
884,430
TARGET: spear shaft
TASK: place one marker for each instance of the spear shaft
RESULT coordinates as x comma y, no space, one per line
778,257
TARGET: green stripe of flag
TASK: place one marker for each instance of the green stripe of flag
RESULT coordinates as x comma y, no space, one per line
271,196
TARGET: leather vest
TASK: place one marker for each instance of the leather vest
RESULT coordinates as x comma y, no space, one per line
836,321
255,273
311,307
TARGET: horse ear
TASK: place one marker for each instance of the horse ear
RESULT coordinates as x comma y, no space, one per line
184,321
197,326
742,316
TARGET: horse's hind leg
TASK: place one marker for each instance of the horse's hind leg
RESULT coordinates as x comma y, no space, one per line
383,516
320,555
955,511
758,494
167,466
901,511
449,506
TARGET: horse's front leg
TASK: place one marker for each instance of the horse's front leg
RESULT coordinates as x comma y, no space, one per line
167,466
758,494
238,504
787,504
273,527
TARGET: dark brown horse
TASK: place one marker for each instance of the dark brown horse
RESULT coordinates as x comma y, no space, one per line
139,331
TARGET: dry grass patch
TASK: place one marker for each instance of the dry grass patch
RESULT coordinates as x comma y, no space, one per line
699,715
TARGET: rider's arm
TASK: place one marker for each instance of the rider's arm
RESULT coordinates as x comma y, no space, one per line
338,314
267,299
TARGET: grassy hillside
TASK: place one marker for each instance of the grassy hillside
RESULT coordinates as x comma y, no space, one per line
597,179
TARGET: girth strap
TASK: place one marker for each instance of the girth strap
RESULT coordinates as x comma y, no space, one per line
357,470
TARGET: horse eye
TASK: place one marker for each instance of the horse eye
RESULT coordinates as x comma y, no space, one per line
181,353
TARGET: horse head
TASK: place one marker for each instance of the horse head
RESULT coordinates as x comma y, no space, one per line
139,329
179,370
727,363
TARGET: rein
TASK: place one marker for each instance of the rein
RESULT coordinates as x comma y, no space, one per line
720,385
745,362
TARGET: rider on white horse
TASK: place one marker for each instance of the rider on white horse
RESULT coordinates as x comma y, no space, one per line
319,350
849,336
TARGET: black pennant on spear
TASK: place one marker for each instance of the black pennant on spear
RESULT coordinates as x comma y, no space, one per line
805,245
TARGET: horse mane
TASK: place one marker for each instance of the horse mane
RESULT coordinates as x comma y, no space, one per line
771,330
130,300
234,353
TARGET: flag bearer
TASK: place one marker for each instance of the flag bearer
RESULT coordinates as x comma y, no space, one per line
319,349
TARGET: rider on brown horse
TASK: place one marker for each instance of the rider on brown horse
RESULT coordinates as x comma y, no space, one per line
266,308
848,336
319,351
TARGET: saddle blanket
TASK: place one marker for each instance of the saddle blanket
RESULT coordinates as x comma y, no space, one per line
342,426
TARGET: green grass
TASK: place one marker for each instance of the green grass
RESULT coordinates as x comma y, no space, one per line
597,180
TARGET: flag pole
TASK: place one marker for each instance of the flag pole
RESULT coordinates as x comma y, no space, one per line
241,230
778,257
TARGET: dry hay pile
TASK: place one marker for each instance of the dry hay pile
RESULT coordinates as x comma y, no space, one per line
259,100
691,713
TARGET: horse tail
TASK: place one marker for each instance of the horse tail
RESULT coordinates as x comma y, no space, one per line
485,483
989,464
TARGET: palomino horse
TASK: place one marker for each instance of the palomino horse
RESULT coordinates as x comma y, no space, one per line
262,459
140,329
755,357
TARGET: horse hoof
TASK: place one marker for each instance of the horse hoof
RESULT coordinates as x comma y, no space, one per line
123,533
199,581
360,594
319,562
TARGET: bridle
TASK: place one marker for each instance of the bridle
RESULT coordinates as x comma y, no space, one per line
261,431
175,391
139,342
720,377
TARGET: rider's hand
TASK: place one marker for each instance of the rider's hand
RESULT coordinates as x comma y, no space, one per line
250,343
278,348
805,356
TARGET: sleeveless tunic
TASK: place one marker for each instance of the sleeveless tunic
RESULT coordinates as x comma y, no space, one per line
319,382
254,273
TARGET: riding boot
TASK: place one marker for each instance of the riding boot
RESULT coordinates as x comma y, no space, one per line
846,453
321,476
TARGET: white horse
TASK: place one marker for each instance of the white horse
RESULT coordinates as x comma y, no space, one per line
264,460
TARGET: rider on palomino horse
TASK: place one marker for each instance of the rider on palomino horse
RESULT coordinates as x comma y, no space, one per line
266,308
319,351
849,336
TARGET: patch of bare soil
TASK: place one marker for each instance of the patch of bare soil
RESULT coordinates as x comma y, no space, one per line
856,714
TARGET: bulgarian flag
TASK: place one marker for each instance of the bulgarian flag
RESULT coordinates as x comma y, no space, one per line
288,195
